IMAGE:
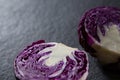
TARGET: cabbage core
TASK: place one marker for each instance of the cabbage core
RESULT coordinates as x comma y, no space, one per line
111,40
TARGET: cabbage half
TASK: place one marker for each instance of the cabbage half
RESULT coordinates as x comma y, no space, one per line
51,61
99,33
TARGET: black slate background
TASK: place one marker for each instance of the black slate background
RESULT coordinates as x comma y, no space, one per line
25,21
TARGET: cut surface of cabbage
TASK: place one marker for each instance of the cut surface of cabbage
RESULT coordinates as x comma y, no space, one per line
51,61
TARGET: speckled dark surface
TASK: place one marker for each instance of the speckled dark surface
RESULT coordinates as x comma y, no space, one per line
25,21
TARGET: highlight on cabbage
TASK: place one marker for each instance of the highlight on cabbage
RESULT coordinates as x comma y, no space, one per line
51,61
99,34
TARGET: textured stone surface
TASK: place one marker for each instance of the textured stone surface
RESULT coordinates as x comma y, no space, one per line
25,21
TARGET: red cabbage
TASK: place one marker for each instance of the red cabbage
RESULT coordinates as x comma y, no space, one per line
99,33
40,62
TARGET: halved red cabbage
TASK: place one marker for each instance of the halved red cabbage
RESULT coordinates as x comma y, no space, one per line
99,33
51,61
